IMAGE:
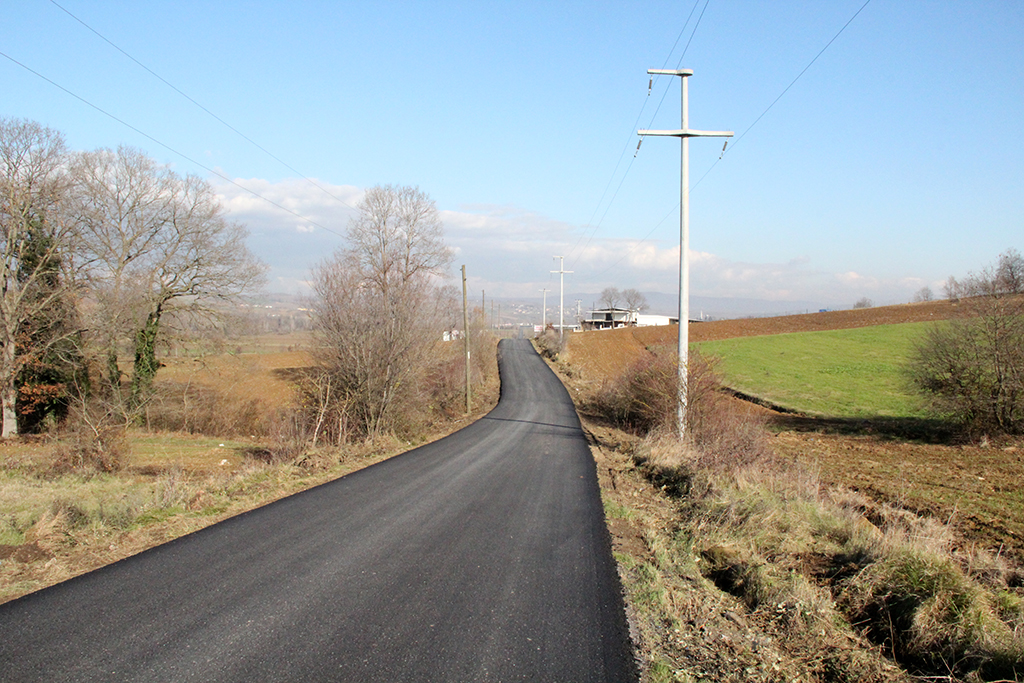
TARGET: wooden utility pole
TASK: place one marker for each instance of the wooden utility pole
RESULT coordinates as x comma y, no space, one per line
685,132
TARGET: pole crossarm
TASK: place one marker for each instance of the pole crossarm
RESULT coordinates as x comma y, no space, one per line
688,133
670,72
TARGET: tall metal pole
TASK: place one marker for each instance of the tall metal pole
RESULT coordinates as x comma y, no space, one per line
544,312
561,294
684,228
465,338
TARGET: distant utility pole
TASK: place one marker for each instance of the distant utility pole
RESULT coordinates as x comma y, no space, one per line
561,293
544,312
684,228
465,339
578,317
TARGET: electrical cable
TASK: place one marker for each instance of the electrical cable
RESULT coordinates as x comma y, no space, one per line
632,134
193,101
747,130
168,147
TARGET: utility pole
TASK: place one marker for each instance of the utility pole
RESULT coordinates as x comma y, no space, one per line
561,293
544,312
579,319
685,133
465,339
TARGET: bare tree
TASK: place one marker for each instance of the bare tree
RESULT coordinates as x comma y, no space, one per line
951,290
611,297
35,233
923,294
1010,272
154,244
635,300
380,309
864,302
124,202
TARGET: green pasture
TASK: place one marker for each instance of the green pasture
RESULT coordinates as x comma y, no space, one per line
838,373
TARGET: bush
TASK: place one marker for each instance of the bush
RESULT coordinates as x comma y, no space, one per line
87,449
643,400
550,344
972,368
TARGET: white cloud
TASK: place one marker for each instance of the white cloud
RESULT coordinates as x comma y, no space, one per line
508,251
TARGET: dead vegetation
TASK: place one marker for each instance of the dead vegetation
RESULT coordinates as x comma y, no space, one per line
221,434
741,565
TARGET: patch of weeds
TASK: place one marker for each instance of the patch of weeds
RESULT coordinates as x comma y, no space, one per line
660,671
10,534
613,510
930,615
156,515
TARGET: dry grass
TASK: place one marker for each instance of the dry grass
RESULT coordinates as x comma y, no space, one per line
842,586
230,440
55,526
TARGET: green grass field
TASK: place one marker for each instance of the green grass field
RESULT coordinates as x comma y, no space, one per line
839,373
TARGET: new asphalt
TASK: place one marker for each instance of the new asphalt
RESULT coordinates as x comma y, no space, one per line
480,557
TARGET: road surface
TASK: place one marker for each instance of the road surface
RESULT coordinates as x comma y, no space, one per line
480,557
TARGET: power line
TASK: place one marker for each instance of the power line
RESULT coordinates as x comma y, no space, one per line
747,130
811,63
168,147
193,101
629,140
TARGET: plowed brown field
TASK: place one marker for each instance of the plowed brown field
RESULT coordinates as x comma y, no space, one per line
600,354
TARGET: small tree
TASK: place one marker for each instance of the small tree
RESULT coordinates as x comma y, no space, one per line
923,294
972,368
380,310
951,290
55,368
1010,272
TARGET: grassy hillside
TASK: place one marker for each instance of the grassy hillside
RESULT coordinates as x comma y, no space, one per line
841,373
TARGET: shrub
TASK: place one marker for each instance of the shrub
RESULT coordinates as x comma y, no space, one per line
550,344
972,368
643,400
88,449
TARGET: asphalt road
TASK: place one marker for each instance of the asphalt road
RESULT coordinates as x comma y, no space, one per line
481,557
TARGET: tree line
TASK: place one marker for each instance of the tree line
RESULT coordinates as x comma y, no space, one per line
101,251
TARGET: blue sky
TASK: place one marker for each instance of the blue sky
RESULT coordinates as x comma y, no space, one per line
895,161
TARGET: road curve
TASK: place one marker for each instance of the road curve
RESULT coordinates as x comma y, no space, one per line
480,557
